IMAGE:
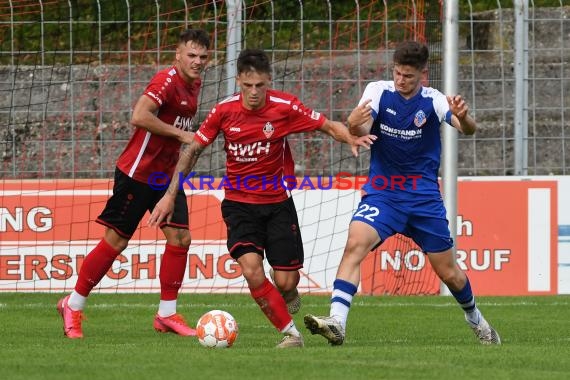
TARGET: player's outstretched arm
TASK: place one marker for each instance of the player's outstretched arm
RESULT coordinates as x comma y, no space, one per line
188,157
360,119
339,132
144,116
460,118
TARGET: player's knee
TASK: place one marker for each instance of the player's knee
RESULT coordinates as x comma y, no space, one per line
253,274
184,241
120,245
287,281
116,241
354,249
453,278
178,237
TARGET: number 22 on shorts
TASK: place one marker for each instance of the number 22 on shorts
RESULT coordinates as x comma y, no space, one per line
367,212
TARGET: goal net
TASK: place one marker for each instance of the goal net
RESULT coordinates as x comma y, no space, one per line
70,73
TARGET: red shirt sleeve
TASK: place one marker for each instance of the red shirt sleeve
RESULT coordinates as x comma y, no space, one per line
210,128
159,88
303,118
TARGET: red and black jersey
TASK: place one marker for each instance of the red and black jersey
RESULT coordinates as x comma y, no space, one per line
146,152
257,153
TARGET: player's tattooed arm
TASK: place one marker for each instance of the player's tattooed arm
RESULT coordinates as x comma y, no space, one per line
189,154
165,207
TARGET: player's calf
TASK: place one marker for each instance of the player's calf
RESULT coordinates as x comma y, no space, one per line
291,297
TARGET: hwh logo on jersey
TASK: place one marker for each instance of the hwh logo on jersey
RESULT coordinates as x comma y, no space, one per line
249,149
184,123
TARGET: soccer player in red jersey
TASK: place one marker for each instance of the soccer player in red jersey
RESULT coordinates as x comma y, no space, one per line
258,209
162,118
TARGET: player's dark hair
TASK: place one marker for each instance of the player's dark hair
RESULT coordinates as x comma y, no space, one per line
253,60
198,36
411,53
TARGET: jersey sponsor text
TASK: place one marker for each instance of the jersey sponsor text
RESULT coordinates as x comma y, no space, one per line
404,134
182,122
202,136
242,150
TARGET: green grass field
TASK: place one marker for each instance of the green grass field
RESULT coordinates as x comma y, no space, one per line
387,338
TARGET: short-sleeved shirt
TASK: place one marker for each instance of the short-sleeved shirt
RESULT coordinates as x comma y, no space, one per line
258,157
408,148
146,152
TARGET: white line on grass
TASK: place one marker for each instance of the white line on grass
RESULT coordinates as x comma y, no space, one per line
249,305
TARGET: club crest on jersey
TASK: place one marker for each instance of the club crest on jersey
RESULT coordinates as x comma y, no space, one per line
268,130
420,119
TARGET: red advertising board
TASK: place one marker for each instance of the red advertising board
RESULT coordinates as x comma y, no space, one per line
506,242
33,206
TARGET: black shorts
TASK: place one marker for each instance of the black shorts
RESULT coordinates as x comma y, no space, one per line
131,200
272,228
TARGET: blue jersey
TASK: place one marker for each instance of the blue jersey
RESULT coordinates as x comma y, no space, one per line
405,159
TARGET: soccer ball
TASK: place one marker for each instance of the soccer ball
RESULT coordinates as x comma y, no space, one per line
217,329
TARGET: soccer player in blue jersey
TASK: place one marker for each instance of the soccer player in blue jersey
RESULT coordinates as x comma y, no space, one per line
406,117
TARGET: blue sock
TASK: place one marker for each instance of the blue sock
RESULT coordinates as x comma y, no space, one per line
341,299
466,300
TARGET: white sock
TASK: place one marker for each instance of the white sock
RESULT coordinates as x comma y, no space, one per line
76,301
166,308
291,329
339,310
474,317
